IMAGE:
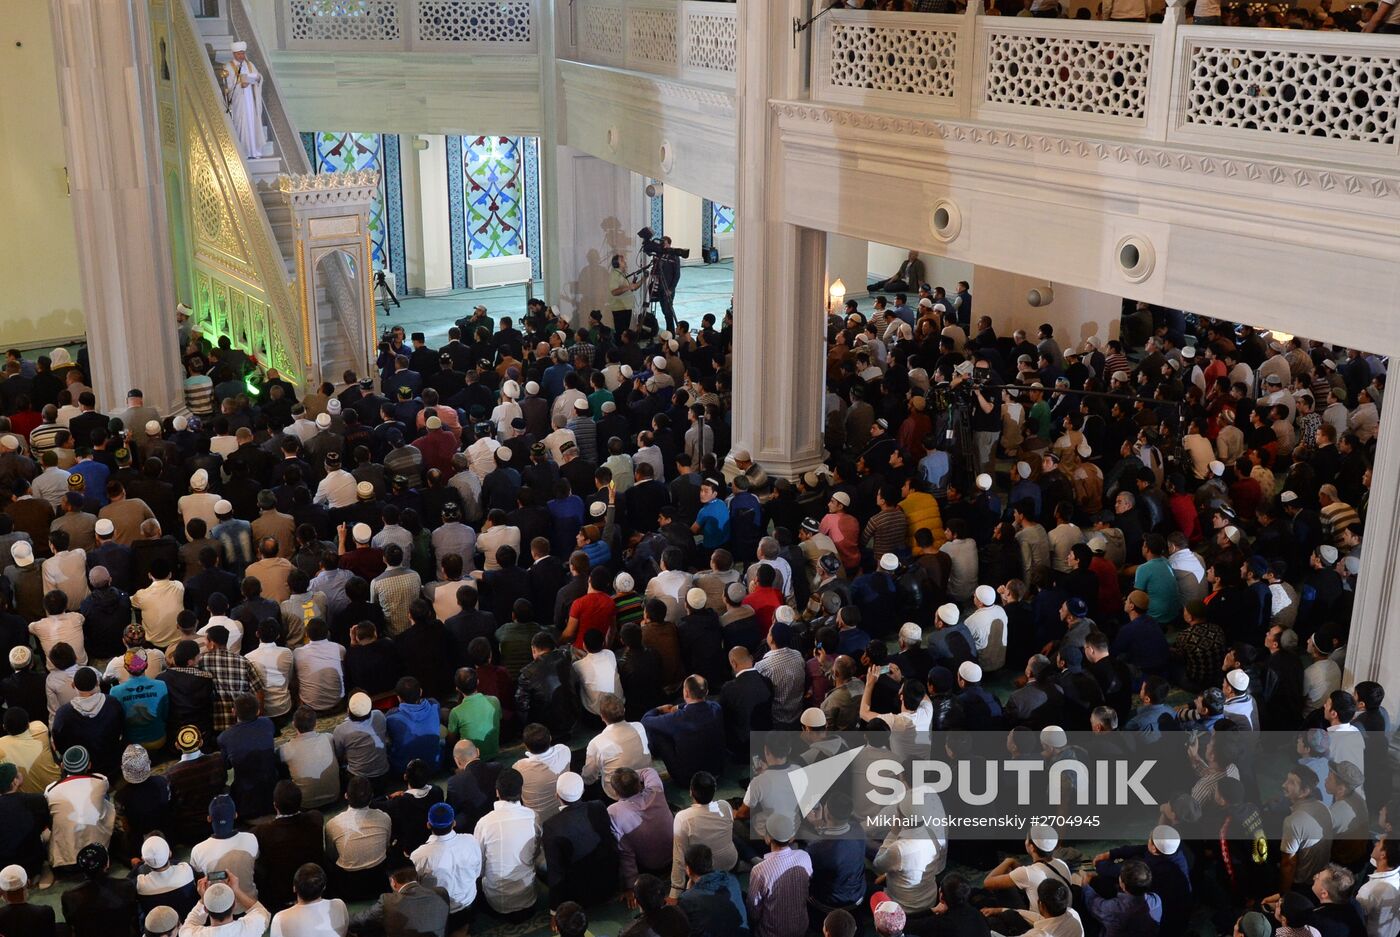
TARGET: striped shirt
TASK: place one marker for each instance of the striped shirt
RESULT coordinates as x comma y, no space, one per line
44,437
199,394
628,608
1336,518
887,532
778,888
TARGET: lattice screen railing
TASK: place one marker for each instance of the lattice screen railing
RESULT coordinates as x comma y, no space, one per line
884,55
1056,72
407,25
682,38
1314,93
1256,92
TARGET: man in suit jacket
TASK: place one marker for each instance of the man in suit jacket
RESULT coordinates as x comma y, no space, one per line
645,498
905,280
82,425
547,574
747,702
408,909
471,791
580,851
286,842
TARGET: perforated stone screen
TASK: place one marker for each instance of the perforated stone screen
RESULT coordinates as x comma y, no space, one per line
1106,78
885,58
1295,92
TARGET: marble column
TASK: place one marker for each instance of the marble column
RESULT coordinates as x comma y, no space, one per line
1373,648
412,278
779,269
435,222
111,131
554,40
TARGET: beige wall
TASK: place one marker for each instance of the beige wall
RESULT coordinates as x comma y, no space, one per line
1075,313
884,261
684,215
40,294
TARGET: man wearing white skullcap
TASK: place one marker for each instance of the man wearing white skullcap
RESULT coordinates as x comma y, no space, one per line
243,97
1240,704
950,640
987,625
980,706
1040,847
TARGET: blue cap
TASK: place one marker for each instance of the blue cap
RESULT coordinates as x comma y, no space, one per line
222,814
1078,607
442,817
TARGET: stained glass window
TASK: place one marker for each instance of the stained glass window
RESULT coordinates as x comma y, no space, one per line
342,151
494,196
722,222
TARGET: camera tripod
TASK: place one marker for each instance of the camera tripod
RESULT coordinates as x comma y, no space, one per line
658,294
381,285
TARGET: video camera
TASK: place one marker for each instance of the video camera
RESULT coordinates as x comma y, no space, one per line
653,246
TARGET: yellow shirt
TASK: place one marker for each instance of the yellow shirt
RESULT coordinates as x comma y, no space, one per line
30,753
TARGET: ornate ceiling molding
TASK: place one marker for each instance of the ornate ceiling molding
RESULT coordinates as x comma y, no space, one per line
1141,154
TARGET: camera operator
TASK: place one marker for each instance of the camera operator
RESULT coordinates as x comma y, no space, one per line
665,272
669,268
985,416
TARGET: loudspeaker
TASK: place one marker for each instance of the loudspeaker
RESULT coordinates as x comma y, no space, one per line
710,255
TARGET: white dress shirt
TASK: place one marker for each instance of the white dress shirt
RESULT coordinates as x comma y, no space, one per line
274,664
709,824
620,745
337,489
510,837
65,627
252,924
597,674
235,633
452,861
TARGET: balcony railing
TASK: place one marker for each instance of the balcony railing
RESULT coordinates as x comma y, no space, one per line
1285,93
500,26
676,38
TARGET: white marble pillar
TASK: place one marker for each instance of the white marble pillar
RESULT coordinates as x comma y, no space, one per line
412,277
102,53
553,20
779,269
1373,648
433,216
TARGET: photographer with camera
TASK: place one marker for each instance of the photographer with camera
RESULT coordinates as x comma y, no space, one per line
969,388
663,273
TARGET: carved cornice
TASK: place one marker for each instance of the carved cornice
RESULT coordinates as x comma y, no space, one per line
307,190
1142,154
